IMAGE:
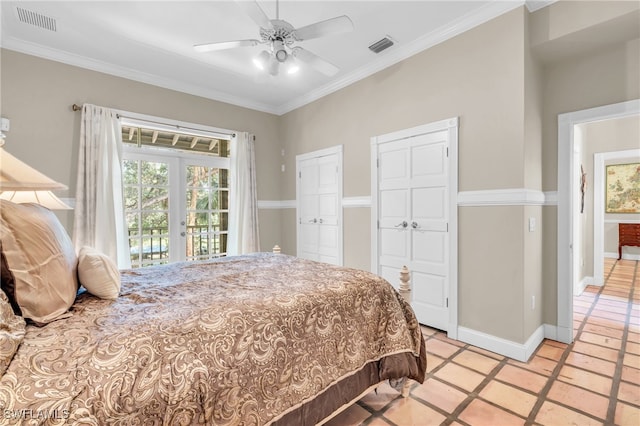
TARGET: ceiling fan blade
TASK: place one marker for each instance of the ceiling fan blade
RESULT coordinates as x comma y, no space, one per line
340,24
210,47
325,67
255,12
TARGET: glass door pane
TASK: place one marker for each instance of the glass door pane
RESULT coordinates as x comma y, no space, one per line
207,211
146,193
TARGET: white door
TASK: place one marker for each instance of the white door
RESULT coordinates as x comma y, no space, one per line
319,195
413,214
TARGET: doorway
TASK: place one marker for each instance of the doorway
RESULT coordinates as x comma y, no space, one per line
568,177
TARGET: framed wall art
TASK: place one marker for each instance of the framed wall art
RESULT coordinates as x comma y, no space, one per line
622,188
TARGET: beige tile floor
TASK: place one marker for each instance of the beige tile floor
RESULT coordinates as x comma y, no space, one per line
593,381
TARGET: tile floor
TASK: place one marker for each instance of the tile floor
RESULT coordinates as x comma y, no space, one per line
594,381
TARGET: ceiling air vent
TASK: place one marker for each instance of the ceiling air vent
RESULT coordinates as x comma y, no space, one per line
37,19
381,45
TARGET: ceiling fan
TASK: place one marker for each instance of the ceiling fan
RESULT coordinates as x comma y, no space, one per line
280,36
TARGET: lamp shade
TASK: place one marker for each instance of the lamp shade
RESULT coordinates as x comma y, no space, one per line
44,198
17,176
20,183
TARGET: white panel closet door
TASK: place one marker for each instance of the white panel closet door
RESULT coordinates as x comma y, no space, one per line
413,216
319,191
308,206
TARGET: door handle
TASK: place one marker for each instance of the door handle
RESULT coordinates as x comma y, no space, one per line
404,224
415,225
320,220
314,220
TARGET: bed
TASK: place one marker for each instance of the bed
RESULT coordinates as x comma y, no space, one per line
249,340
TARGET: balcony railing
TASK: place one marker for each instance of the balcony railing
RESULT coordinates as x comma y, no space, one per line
154,242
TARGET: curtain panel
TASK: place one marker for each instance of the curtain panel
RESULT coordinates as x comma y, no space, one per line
99,220
243,197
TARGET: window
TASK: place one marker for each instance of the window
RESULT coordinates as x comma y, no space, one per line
207,202
176,189
146,194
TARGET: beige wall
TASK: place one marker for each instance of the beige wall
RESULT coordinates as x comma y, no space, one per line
37,95
477,76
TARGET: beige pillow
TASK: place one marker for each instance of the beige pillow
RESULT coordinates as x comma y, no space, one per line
98,274
42,260
11,332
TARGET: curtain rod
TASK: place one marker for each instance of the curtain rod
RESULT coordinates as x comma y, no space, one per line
76,107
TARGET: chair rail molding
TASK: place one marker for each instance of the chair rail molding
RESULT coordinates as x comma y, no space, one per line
506,197
276,204
347,202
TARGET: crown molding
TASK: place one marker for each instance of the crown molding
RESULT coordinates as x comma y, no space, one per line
402,52
533,5
20,46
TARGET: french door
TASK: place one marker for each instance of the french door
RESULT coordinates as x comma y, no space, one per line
176,205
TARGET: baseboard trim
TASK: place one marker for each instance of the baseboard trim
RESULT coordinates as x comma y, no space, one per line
550,331
584,282
625,256
518,351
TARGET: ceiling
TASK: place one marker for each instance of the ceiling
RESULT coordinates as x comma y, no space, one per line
152,41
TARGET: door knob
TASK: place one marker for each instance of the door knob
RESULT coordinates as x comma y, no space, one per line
320,220
182,234
404,224
415,225
314,220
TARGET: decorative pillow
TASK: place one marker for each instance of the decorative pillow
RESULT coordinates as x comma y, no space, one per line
98,274
11,332
41,258
8,283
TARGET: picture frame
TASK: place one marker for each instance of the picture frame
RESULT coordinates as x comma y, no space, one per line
622,188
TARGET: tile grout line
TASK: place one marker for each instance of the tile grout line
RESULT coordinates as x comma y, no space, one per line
471,395
553,377
450,417
617,375
379,414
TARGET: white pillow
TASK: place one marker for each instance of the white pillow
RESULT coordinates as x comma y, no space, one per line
98,274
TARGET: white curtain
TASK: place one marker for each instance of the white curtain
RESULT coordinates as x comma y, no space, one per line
243,199
99,219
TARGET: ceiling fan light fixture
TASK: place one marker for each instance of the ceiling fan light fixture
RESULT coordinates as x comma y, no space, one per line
279,51
281,37
292,66
262,60
273,66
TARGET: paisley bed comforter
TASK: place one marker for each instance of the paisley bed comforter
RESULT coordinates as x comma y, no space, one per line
239,341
